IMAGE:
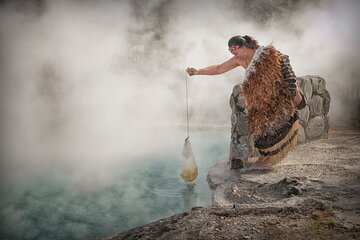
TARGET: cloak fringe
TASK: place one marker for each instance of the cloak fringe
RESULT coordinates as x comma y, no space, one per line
278,151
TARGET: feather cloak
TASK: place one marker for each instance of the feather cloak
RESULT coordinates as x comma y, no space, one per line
272,117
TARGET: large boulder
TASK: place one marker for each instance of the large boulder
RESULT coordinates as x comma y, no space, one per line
304,115
315,128
307,87
316,106
318,85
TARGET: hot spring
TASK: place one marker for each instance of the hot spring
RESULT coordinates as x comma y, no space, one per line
44,206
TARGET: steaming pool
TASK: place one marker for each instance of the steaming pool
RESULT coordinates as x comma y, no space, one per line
44,207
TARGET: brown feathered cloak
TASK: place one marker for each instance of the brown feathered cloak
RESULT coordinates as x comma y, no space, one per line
272,116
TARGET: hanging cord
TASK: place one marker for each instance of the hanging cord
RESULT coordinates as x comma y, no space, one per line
187,106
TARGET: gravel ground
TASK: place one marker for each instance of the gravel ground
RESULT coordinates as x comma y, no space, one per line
313,194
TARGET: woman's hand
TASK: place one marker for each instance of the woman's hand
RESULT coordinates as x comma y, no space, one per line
192,71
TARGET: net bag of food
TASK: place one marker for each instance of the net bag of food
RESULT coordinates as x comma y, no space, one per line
189,169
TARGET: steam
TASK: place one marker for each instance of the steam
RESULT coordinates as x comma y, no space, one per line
88,86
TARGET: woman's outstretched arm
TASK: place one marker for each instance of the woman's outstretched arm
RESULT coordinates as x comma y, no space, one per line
215,69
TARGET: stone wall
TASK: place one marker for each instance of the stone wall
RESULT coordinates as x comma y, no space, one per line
313,119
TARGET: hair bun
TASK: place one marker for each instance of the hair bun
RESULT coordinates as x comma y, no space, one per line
251,42
249,39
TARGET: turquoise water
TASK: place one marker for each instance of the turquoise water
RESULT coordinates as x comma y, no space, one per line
44,207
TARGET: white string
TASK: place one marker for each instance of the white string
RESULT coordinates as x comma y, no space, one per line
187,106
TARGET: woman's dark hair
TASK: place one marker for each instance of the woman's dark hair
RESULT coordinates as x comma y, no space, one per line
246,41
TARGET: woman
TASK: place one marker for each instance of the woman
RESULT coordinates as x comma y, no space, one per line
271,94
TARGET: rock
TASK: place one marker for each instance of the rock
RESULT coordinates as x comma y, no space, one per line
237,89
316,106
318,214
304,115
233,119
318,85
241,124
326,100
326,126
272,222
294,191
240,151
300,82
315,128
237,101
237,162
307,88
216,175
241,103
301,138
289,186
235,195
232,103
240,147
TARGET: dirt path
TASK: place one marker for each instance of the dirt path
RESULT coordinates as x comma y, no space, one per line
313,194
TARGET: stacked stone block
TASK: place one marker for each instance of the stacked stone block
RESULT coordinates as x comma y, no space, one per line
314,118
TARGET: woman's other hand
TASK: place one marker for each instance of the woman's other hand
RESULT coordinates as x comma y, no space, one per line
192,71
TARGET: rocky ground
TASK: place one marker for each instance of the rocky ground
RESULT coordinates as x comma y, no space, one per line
313,194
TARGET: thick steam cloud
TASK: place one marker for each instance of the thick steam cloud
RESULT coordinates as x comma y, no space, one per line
88,86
